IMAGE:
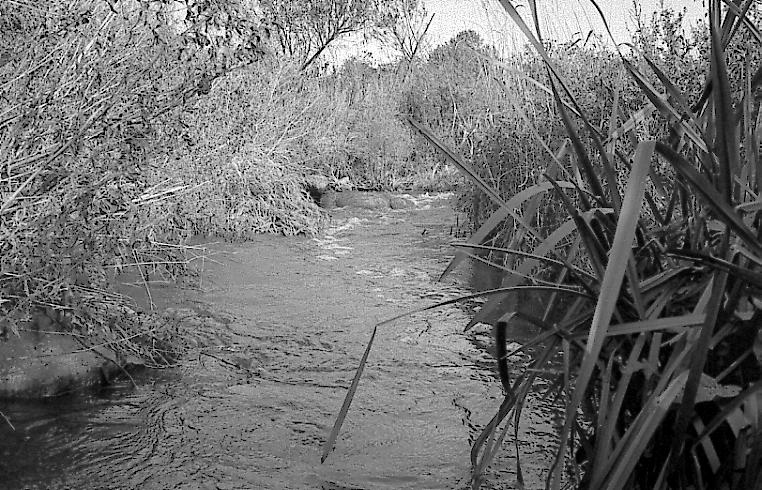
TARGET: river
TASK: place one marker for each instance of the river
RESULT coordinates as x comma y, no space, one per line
277,327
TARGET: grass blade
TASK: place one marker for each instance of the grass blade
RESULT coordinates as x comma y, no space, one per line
605,443
682,104
750,141
631,124
498,217
610,287
547,246
579,149
697,361
631,447
643,326
456,160
331,442
664,107
714,199
593,246
751,277
537,257
734,9
512,272
557,156
737,402
581,152
727,144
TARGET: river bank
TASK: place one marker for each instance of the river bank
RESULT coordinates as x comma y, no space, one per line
275,329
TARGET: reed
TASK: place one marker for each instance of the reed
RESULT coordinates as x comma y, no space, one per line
651,275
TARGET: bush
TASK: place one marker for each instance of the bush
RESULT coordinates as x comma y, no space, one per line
86,86
245,149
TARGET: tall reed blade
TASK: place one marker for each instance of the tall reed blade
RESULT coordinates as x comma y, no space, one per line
711,197
469,172
499,216
727,144
330,443
611,284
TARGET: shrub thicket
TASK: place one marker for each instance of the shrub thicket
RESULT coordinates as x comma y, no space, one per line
87,87
245,149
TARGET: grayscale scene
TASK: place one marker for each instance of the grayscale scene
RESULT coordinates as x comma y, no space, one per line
382,244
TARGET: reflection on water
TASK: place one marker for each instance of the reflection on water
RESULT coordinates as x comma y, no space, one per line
283,323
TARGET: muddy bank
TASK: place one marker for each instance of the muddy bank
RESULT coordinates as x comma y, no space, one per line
68,352
46,359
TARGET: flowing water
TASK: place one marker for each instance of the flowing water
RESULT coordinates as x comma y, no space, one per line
279,325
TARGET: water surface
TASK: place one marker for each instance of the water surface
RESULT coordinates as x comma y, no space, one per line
277,327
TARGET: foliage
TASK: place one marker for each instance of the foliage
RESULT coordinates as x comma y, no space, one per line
655,277
408,36
651,281
304,30
86,85
375,149
127,126
249,145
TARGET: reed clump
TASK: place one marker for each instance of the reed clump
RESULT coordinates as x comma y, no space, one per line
649,272
657,275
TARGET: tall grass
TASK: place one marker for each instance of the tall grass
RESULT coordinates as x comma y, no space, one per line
651,279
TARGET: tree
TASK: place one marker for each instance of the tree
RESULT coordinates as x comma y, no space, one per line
408,36
305,29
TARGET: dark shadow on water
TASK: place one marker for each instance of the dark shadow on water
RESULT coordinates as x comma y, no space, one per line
49,439
483,277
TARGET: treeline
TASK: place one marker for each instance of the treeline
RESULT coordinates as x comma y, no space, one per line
491,107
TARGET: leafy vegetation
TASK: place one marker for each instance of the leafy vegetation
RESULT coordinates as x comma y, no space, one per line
91,92
648,273
127,127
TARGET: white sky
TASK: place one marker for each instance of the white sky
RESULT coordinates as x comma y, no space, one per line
560,19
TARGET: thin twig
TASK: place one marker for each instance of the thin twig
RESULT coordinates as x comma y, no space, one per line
145,282
7,421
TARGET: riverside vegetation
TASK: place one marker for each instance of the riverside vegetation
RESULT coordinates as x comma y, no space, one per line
646,263
627,200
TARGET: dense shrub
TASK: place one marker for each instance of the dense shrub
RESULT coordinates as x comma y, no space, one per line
380,151
647,323
637,261
244,151
86,86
